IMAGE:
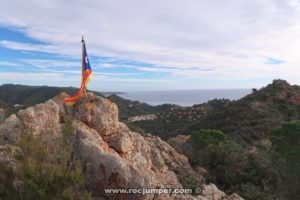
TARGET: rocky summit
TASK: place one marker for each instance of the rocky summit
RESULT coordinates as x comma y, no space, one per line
111,155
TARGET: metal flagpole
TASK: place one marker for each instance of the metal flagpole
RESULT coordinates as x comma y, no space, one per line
82,65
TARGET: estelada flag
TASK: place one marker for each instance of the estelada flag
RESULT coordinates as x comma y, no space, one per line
86,76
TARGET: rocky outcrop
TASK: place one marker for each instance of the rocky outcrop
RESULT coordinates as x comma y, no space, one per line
98,113
41,119
112,155
149,117
10,130
178,142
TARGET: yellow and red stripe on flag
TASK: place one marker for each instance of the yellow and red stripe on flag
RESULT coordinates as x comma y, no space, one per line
86,76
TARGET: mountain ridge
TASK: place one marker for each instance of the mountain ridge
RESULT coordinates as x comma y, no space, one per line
25,96
261,110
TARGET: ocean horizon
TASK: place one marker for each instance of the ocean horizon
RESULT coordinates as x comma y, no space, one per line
184,97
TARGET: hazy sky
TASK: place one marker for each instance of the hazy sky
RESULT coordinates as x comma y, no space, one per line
151,44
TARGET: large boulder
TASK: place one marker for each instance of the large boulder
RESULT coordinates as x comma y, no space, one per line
42,118
10,130
98,113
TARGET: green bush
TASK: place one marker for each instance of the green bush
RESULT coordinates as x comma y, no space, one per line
46,170
286,142
7,177
253,176
213,150
68,129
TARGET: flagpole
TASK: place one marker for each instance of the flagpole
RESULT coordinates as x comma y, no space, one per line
82,63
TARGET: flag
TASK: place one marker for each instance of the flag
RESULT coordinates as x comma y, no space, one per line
86,76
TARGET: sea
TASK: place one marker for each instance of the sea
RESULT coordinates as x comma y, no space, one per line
184,97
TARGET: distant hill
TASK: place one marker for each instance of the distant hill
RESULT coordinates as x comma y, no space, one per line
26,96
246,120
249,119
128,108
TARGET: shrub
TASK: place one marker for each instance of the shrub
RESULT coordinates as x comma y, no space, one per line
46,170
6,181
286,142
252,175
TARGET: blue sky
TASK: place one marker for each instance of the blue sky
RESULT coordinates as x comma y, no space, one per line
151,45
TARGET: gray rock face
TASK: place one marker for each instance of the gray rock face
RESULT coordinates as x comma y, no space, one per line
10,130
112,156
